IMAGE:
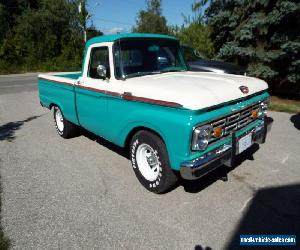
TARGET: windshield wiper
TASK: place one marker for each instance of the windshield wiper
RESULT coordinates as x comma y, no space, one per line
172,70
141,73
138,74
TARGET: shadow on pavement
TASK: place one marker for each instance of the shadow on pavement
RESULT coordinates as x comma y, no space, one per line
198,247
119,150
274,210
295,119
196,186
7,131
189,186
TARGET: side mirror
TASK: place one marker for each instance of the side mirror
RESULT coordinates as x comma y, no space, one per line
101,71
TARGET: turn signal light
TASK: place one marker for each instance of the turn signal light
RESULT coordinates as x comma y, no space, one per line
217,132
254,114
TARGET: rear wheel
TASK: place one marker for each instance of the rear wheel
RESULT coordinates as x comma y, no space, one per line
64,128
150,162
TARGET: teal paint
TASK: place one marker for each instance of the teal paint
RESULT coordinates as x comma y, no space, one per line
221,142
59,94
112,38
92,110
263,94
114,118
170,123
174,125
202,116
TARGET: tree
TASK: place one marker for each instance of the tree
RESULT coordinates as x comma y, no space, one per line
41,35
196,33
92,32
197,36
263,35
151,20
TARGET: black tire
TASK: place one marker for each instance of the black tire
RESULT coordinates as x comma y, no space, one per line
69,129
166,177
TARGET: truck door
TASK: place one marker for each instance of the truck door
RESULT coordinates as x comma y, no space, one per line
91,89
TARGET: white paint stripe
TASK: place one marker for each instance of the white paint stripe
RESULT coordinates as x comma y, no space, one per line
57,78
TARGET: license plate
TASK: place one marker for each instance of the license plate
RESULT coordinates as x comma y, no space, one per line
245,142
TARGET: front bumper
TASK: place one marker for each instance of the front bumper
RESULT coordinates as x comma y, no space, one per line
223,155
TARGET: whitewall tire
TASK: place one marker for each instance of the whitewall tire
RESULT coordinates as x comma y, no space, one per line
150,162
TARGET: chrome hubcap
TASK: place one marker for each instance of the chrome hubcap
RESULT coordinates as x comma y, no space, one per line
59,120
147,161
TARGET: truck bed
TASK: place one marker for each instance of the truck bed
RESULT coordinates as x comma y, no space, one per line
61,76
58,89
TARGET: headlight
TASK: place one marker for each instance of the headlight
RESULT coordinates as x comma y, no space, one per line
263,108
201,136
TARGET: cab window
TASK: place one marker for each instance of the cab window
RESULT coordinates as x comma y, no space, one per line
99,56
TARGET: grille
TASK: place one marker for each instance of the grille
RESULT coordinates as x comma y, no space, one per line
235,121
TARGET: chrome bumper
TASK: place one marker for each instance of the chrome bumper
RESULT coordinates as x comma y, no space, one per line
223,155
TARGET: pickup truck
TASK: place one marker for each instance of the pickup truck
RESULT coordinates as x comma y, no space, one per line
135,90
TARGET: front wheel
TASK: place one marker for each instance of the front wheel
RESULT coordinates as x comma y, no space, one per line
64,128
150,162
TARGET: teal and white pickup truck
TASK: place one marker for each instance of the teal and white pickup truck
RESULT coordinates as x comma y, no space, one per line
135,90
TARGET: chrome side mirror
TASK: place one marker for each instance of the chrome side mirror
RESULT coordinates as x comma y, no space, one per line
101,71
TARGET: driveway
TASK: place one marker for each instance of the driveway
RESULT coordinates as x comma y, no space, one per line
81,193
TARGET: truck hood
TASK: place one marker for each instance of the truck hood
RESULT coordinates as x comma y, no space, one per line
193,90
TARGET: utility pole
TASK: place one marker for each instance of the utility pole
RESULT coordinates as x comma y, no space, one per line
84,16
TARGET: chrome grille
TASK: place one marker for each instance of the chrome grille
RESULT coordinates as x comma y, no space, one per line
236,120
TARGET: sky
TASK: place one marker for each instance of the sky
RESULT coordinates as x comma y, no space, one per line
112,16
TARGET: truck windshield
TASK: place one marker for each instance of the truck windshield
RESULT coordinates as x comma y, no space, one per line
138,57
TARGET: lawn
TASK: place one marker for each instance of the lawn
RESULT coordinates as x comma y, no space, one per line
285,105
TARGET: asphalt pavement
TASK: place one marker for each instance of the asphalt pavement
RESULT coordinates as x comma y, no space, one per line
17,83
81,193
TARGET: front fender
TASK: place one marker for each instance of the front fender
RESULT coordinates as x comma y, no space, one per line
172,124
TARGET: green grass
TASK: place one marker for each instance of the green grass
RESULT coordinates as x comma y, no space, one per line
56,64
285,105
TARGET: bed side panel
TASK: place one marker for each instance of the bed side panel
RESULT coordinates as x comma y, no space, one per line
58,93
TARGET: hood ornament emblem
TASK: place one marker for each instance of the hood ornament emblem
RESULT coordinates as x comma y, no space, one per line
244,89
